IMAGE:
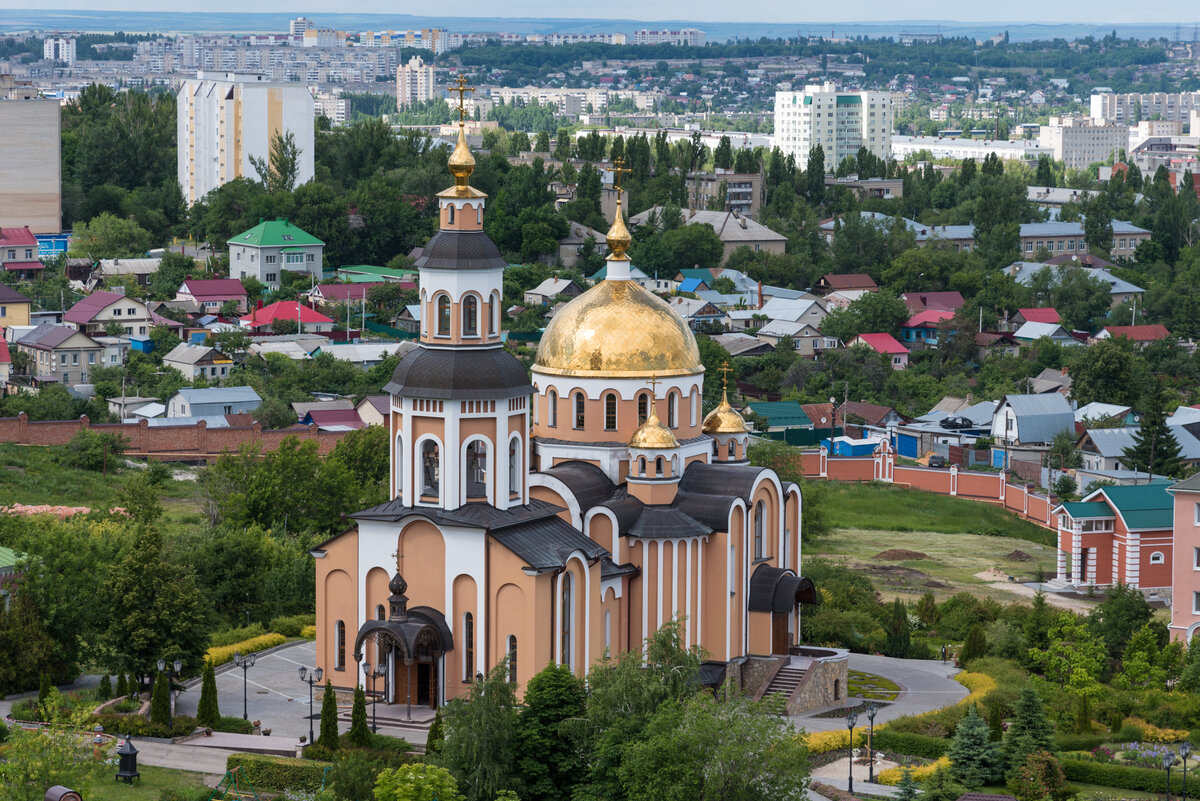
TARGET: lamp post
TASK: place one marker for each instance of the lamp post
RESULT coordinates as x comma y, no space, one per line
245,663
871,710
171,676
310,677
1185,751
369,676
1168,761
851,719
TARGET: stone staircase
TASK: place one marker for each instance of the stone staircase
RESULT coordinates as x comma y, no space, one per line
784,683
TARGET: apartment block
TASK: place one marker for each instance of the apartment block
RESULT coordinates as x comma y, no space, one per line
1132,107
414,83
1080,141
725,190
339,110
690,37
30,160
59,50
841,122
434,40
225,118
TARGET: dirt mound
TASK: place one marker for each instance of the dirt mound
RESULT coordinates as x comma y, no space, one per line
1018,556
899,555
935,585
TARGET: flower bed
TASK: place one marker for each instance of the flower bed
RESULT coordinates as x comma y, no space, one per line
224,653
892,776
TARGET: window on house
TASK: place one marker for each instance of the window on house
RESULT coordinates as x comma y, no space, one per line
672,403
74,358
310,257
269,259
580,410
339,656
116,312
91,358
443,315
450,214
271,277
1196,603
512,659
29,253
659,466
610,412
1196,559
3,311
567,614
1157,558
468,646
760,520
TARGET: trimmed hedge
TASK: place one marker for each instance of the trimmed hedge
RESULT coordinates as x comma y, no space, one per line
911,744
1146,780
224,653
275,774
139,726
292,625
1081,742
234,725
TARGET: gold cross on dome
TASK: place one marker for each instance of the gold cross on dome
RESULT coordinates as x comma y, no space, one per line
461,87
653,382
619,170
725,370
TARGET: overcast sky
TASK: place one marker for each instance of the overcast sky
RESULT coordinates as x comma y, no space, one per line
1088,11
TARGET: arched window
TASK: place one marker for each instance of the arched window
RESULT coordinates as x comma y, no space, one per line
607,629
567,615
643,407
610,412
658,466
514,466
512,659
477,469
400,456
380,612
760,516
580,416
339,645
431,468
492,304
695,403
552,408
470,315
468,646
732,450
443,315
450,213
1157,558
641,465
672,402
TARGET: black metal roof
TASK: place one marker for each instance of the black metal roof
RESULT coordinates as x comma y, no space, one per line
545,544
666,521
720,479
711,510
775,589
610,569
460,374
480,515
461,250
627,510
587,482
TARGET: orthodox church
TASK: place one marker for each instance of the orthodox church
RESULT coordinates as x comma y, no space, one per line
562,516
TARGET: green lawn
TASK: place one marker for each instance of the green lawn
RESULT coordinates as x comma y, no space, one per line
868,685
883,507
150,786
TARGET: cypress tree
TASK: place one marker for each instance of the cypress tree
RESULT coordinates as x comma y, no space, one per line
104,691
974,760
1029,733
437,734
328,738
359,734
1083,715
43,691
160,702
122,685
974,647
899,641
208,712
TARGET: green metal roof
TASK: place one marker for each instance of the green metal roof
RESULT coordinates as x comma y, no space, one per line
787,414
697,272
371,270
1143,506
1080,511
275,233
9,558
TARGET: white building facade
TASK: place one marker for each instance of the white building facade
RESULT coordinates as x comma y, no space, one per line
840,122
414,82
1132,107
60,50
1080,141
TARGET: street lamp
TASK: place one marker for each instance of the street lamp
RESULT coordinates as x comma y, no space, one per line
1168,761
1185,751
171,676
370,675
851,719
310,677
871,710
245,663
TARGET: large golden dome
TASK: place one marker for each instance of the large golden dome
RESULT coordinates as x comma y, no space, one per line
618,328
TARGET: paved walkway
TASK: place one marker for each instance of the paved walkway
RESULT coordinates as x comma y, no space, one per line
925,685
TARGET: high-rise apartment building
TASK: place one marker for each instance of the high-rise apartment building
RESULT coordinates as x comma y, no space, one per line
225,118
414,82
840,122
1133,107
1080,141
30,159
59,50
690,37
435,40
299,25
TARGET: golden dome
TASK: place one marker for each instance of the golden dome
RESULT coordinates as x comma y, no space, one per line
462,163
724,419
652,435
619,329
618,237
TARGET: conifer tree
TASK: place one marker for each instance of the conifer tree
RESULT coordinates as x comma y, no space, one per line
437,734
1154,449
974,647
160,701
43,691
104,691
974,760
899,641
1030,732
359,734
907,789
122,685
328,738
941,786
207,711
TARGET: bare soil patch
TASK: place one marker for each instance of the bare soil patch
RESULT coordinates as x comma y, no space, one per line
1018,556
900,555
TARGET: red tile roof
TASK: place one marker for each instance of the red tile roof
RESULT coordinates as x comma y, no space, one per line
1041,315
882,343
16,236
1139,333
919,301
345,292
214,288
283,310
86,310
23,265
929,317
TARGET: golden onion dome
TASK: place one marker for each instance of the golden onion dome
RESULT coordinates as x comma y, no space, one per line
653,435
724,419
618,329
618,238
462,163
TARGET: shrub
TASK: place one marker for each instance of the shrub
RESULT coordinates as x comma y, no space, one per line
104,691
1079,742
1153,734
233,725
822,742
90,450
220,655
3,731
909,744
235,636
122,685
975,647
25,709
1146,780
275,774
138,726
158,473
309,632
292,625
892,776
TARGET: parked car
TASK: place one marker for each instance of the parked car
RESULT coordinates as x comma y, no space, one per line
937,460
955,422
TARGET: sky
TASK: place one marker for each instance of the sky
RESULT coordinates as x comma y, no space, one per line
781,11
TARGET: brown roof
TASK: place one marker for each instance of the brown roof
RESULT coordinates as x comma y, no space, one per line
844,281
868,412
817,412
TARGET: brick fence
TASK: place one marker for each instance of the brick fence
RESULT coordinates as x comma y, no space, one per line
168,443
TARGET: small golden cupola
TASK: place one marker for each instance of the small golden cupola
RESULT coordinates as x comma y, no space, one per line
654,460
727,427
461,204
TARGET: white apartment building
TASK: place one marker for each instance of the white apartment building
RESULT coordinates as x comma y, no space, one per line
225,118
956,147
60,50
324,37
1080,141
299,25
337,109
571,101
432,39
841,122
690,37
414,82
1132,107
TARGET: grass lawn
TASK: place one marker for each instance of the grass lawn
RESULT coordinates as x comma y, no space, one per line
948,564
1088,792
149,787
888,508
868,685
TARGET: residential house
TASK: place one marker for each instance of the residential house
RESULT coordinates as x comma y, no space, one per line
694,285
845,282
653,283
1051,380
570,246
1032,332
297,347
925,328
1140,335
374,410
739,344
842,298
212,402
94,314
801,310
953,421
733,228
1120,290
932,301
409,319
989,342
123,406
883,344
310,320
694,311
1185,566
1109,414
110,271
807,339
550,289
271,247
738,192
210,294
353,295
333,419
370,274
365,355
60,354
780,415
1104,448
302,408
14,307
1117,535
1039,315
19,253
856,417
1032,421
196,362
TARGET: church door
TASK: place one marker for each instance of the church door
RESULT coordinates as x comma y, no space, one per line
780,641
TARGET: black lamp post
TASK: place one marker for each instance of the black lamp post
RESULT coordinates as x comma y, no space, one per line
369,675
1185,751
171,676
851,719
310,677
1168,761
245,663
871,710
